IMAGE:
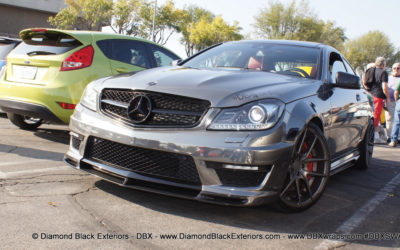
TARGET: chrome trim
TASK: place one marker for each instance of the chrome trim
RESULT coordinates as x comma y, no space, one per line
115,103
239,167
348,158
76,135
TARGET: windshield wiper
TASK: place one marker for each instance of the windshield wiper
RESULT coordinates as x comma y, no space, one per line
40,52
260,70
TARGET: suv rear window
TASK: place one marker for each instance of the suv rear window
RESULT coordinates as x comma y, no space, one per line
46,44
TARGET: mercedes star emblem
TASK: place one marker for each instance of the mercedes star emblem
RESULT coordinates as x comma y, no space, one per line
139,109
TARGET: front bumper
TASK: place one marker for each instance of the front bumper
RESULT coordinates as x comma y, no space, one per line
210,151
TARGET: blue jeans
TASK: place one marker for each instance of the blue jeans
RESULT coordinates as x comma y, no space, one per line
396,123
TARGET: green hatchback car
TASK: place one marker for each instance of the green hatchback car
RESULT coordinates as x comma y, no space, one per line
46,74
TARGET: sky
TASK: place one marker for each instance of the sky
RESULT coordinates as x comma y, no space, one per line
357,17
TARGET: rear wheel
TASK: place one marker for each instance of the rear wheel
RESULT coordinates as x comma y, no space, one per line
308,172
24,122
366,148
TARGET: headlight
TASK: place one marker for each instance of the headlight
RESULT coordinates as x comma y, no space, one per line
253,116
89,97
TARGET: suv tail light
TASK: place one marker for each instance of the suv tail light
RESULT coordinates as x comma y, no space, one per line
80,59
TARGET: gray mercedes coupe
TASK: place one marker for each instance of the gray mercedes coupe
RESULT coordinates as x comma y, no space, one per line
240,123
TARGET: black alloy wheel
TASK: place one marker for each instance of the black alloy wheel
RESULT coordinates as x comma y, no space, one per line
308,172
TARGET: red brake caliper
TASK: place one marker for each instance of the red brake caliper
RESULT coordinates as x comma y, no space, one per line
310,164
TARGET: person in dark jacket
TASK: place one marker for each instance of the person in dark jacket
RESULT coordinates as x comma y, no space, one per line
379,92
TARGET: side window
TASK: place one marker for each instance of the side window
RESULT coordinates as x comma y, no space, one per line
129,51
349,68
335,65
104,47
162,57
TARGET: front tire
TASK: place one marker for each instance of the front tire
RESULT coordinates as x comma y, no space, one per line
24,122
308,171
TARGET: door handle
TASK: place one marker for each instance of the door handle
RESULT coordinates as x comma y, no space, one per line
358,98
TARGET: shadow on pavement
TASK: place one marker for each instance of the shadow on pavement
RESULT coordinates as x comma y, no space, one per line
55,135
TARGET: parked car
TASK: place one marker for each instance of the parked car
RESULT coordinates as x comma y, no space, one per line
241,123
47,73
6,45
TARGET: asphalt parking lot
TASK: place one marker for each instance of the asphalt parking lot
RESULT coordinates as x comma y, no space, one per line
45,204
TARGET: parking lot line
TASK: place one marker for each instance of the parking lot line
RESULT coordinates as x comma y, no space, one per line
349,225
5,175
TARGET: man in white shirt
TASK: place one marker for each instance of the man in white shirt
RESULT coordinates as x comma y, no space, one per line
393,80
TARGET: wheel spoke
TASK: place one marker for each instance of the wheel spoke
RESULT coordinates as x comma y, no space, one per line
315,174
298,190
305,179
302,141
310,149
287,187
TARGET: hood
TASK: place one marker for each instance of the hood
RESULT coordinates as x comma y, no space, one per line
222,87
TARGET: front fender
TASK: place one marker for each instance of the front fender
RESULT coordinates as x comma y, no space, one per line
302,112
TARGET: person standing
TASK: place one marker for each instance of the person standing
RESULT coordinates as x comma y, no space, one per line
379,91
396,123
389,112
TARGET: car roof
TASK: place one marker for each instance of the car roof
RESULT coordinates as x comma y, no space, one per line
96,35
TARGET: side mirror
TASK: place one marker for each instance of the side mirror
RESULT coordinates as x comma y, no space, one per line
175,62
347,81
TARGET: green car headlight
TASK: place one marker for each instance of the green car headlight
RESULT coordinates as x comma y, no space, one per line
89,97
257,115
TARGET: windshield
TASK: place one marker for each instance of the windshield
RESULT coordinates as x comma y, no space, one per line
277,58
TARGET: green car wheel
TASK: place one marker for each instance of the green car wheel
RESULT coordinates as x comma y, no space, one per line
24,122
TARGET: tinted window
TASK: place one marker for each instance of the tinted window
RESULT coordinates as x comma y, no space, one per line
276,58
335,65
162,56
104,47
128,51
46,43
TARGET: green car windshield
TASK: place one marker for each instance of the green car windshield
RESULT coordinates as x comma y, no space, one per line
293,60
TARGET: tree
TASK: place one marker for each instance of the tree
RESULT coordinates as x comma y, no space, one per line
191,16
126,16
204,33
333,35
167,21
279,21
296,22
83,14
366,48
